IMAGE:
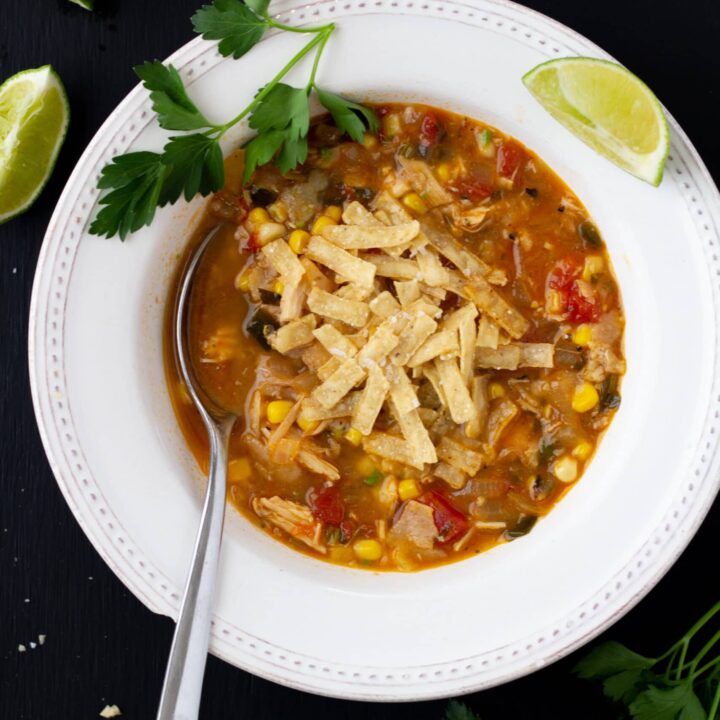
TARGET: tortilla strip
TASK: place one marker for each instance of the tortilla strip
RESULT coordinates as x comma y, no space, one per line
419,329
315,277
460,457
292,301
488,333
506,357
326,370
433,378
312,411
468,264
415,433
356,237
402,391
465,317
295,334
284,427
354,292
538,355
396,268
478,393
339,384
384,305
451,475
335,342
423,181
357,214
348,311
315,357
391,447
432,270
441,343
385,203
317,465
343,263
371,401
500,417
407,291
456,393
379,346
284,261
489,301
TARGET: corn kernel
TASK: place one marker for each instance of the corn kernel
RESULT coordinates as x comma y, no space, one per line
278,287
391,125
257,217
242,281
443,172
408,489
277,410
414,202
582,335
278,211
269,231
369,141
496,390
307,426
365,466
582,450
369,550
298,241
334,212
594,265
239,470
585,398
353,436
565,469
321,223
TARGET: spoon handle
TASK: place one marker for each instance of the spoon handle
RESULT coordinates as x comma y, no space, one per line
180,699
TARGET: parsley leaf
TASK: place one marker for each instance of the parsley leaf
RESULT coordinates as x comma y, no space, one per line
259,6
261,149
135,181
609,659
669,703
458,711
175,110
233,23
196,166
349,116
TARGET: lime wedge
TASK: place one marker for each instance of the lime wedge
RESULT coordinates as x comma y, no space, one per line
34,115
608,108
87,4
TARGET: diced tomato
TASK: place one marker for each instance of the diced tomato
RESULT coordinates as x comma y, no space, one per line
327,505
429,129
580,305
509,158
449,521
472,188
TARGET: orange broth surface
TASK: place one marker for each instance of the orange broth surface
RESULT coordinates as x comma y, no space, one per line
533,429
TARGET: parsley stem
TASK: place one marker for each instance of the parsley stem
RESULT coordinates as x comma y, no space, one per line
692,631
290,28
318,55
681,661
320,38
703,652
704,668
712,713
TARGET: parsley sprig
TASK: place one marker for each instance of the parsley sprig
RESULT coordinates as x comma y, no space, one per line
672,686
137,183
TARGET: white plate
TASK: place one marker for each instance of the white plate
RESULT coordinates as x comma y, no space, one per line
114,446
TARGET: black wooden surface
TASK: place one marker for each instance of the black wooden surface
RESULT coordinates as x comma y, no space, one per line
102,645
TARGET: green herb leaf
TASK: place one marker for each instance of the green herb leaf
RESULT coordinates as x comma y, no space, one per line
458,711
624,686
668,703
231,22
175,110
609,659
195,166
259,6
135,181
261,149
373,478
283,107
349,116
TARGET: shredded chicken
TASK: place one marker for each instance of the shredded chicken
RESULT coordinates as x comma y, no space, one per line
415,525
293,518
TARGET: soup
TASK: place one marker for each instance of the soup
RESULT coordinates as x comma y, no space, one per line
421,333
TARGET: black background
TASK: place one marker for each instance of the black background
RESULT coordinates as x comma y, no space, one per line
102,645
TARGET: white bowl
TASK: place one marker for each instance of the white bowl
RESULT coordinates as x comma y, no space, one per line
121,462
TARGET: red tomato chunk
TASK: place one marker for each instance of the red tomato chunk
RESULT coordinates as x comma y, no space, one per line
449,521
327,506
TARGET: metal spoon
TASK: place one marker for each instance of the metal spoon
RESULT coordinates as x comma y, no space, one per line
182,688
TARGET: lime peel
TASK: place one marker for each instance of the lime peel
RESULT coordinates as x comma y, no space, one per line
34,116
608,108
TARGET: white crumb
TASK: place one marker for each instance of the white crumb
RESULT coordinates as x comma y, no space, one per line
41,639
21,648
110,711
